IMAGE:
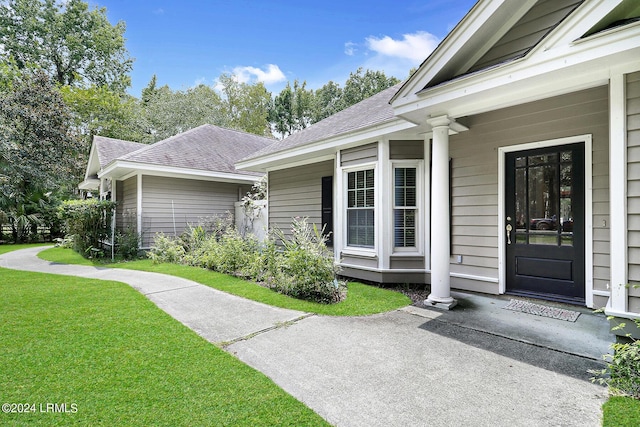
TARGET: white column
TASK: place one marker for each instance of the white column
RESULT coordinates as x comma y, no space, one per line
440,241
384,206
618,193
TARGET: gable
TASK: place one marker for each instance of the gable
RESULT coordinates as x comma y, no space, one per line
536,20
628,11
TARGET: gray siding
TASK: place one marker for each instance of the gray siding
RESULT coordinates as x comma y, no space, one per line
127,196
186,200
475,175
297,192
633,187
411,149
359,155
527,32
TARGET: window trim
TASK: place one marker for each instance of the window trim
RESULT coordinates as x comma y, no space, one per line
418,249
359,250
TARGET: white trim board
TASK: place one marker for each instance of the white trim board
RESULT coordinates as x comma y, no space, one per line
588,209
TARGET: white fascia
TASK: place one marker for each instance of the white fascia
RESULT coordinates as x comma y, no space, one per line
309,152
542,74
456,40
120,168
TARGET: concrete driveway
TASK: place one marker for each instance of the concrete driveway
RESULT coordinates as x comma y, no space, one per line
409,367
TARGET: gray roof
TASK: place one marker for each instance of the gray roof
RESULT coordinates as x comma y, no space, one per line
207,147
371,111
110,149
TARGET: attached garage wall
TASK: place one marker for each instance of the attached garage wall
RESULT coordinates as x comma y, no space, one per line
475,177
191,199
297,192
633,187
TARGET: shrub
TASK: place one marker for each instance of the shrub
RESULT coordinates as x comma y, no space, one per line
127,243
308,267
301,267
166,249
622,373
88,222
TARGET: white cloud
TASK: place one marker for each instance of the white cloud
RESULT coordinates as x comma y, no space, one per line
272,74
350,48
158,11
415,47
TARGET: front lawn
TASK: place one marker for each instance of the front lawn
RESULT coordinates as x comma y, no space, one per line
113,358
361,299
621,411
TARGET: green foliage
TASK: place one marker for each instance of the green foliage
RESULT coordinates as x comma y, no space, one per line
622,373
72,43
127,243
166,249
308,269
304,269
98,110
37,148
362,300
169,112
246,106
89,223
295,108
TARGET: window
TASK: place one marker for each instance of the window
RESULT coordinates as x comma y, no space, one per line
360,208
405,207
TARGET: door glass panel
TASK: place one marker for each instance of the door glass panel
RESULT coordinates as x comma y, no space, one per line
543,197
566,208
521,203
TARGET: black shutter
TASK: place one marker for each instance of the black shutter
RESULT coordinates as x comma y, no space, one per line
327,208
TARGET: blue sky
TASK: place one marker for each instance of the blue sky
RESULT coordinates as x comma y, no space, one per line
189,42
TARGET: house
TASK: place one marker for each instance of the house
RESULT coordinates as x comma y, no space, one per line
165,186
509,162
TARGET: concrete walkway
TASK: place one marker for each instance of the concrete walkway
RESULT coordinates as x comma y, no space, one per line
476,366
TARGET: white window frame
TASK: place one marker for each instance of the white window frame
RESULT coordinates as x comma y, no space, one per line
418,249
359,250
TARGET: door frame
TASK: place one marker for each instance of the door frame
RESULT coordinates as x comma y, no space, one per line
588,208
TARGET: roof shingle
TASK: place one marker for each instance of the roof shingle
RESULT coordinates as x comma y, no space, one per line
207,147
371,111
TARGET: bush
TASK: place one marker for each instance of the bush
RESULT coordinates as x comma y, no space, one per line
301,267
167,249
88,223
308,267
622,373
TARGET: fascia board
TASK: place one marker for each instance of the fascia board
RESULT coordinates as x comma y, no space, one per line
149,169
327,145
566,64
89,184
578,23
93,156
470,24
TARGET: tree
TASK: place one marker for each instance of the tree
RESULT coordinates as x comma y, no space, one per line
360,86
169,112
98,110
37,149
246,106
72,43
326,102
292,109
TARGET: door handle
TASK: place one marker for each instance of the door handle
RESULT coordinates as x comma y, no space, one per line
508,228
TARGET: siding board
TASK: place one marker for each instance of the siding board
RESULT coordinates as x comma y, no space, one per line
633,185
297,192
475,175
192,201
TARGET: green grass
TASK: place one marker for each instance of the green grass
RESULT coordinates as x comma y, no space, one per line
8,247
120,360
621,411
361,299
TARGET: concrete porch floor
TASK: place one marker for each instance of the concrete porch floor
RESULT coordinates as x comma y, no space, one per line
589,336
